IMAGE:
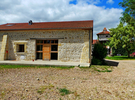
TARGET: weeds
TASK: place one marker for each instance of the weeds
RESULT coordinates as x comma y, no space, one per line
64,91
40,91
43,88
76,94
102,68
98,68
2,94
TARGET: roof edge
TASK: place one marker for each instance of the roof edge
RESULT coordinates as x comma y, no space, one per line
46,29
51,22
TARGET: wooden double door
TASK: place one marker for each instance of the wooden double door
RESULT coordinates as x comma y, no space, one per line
47,49
46,52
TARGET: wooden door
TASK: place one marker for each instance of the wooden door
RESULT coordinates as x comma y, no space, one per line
46,52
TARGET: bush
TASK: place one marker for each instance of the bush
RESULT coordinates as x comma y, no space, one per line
96,61
99,53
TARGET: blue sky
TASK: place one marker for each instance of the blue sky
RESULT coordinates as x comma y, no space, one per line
104,13
105,3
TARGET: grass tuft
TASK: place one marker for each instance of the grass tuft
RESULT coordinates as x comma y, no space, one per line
102,68
64,91
43,88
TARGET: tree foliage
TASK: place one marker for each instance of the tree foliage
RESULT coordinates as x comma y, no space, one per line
119,50
129,13
123,36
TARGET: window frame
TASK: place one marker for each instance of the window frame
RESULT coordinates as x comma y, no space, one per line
17,43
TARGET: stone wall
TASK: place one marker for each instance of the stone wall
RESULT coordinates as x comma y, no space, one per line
73,45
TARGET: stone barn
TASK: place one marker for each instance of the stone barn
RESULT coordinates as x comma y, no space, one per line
68,41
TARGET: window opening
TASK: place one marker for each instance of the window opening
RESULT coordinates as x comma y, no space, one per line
48,41
54,47
21,48
45,41
56,41
54,56
52,41
39,55
39,47
39,41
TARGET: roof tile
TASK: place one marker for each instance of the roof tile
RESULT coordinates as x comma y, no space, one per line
104,32
48,25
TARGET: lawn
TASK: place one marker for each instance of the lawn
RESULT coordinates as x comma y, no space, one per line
120,58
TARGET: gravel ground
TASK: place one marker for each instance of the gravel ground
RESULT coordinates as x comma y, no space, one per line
83,83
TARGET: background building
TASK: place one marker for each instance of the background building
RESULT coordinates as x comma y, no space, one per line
103,38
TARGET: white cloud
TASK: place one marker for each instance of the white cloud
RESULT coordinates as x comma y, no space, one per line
59,10
89,1
110,2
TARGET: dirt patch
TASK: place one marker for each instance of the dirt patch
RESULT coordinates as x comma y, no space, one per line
83,84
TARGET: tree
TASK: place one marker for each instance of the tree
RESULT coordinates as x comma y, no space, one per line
119,50
123,36
129,13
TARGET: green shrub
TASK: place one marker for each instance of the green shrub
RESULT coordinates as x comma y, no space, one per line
96,61
99,53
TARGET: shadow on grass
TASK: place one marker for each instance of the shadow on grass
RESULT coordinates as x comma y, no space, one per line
111,63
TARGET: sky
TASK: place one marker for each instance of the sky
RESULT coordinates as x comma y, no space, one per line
104,13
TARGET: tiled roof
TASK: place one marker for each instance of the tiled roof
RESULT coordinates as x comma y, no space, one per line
48,25
104,32
94,41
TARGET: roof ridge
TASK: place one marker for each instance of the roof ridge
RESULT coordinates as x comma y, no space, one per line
53,22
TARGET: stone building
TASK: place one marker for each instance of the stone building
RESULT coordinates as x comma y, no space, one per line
69,41
103,37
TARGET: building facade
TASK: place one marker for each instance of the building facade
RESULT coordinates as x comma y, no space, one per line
103,37
69,41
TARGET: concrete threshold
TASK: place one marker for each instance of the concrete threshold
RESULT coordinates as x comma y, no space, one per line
44,63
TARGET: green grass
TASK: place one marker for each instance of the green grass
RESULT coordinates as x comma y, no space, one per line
98,68
120,58
64,91
102,68
29,66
